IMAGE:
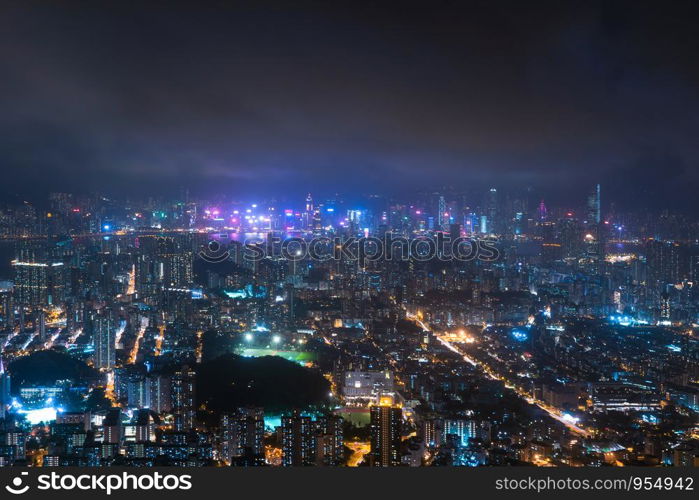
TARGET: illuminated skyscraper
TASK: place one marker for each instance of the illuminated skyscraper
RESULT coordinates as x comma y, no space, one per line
432,432
594,211
112,427
38,283
298,440
7,314
329,440
159,393
442,215
484,225
665,307
104,341
663,261
183,398
316,222
694,269
162,262
5,399
308,213
466,430
41,324
492,211
243,433
386,422
571,237
7,307
144,426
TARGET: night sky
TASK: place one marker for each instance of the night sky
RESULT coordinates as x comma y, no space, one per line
388,97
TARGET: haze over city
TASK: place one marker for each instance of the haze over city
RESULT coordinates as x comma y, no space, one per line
375,98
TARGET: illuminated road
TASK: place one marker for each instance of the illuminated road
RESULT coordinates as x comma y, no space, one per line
29,340
131,289
137,342
74,337
359,450
9,338
50,342
119,332
552,412
109,389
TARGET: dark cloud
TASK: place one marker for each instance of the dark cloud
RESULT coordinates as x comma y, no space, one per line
268,97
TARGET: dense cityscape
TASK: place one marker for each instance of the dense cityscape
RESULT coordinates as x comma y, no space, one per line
368,248
185,331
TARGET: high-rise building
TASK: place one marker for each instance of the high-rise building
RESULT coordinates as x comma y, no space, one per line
386,423
163,262
329,440
432,432
183,398
7,307
41,324
243,432
159,393
665,307
111,427
5,399
144,426
492,211
38,283
663,262
316,222
442,215
137,393
104,340
594,206
466,430
298,440
570,237
307,218
484,225
694,269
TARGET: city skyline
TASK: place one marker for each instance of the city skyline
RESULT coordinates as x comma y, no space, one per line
427,332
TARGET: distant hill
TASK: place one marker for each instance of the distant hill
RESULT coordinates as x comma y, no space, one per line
46,367
277,385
